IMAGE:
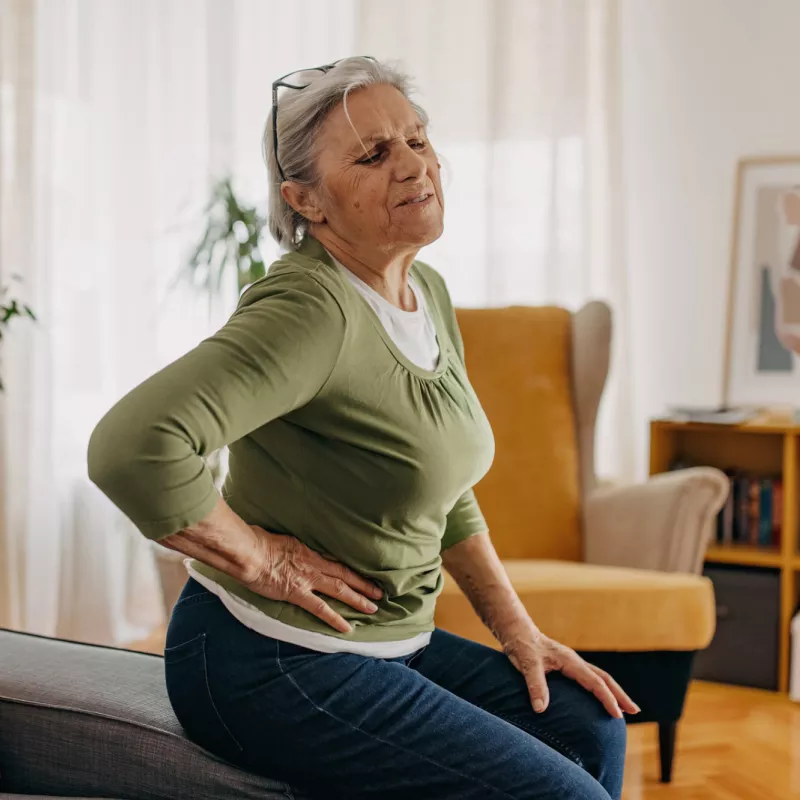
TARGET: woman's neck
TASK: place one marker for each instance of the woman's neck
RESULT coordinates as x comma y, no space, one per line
386,273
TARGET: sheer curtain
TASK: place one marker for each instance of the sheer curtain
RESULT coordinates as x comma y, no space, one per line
115,115
523,102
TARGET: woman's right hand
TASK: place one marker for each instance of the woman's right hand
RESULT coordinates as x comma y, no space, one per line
285,569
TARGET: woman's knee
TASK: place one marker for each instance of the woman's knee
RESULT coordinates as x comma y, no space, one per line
596,739
603,751
608,740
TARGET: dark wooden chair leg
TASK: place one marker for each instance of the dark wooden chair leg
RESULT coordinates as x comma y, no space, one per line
666,744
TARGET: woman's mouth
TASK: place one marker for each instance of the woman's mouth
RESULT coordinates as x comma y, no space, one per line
418,200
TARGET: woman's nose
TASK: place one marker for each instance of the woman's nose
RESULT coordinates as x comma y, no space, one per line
409,165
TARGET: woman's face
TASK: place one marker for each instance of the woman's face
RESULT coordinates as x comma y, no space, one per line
385,194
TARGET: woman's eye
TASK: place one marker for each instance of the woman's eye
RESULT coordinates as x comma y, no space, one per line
373,158
418,144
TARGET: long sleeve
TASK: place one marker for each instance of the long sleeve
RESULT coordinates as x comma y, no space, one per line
272,356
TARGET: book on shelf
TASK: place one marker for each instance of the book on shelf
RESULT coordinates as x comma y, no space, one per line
735,415
717,415
765,513
753,511
741,494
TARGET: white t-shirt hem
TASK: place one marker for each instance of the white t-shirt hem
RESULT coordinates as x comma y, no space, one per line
258,621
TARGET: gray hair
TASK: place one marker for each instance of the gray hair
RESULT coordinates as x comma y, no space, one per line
301,114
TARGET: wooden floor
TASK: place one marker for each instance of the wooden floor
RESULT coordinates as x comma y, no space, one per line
733,744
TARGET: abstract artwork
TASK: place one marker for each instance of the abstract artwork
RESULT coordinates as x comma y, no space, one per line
762,364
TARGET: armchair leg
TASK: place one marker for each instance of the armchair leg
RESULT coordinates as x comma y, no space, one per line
666,742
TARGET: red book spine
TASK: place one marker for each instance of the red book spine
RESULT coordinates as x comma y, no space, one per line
753,512
777,512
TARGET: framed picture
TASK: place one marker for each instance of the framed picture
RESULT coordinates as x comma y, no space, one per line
762,358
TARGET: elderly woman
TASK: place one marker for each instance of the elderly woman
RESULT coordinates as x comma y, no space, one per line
303,645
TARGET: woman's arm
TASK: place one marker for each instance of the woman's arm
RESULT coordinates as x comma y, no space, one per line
272,356
147,453
477,569
222,539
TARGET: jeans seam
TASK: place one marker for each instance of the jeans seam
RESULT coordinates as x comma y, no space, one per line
211,698
202,602
377,738
200,597
538,733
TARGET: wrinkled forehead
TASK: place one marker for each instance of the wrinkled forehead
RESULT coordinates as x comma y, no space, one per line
372,115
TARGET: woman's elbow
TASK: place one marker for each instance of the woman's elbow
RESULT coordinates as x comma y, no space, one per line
112,451
104,457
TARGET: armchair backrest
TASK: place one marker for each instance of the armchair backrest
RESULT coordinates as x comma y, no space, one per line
539,373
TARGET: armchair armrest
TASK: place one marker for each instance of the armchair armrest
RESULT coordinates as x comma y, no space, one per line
664,524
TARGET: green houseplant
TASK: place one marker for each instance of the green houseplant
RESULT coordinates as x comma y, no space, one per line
230,242
10,308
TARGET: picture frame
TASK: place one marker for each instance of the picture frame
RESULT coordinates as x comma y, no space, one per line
762,341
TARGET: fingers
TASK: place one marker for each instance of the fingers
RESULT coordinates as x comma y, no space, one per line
537,685
623,700
336,570
319,608
338,589
577,669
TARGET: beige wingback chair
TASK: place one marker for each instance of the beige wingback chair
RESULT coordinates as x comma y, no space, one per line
609,571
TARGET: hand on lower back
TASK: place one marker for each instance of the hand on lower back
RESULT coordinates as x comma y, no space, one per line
285,569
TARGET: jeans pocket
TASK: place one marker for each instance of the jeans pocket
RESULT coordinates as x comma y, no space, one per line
180,652
189,690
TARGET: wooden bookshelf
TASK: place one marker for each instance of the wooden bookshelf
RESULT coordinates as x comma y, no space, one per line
744,554
760,447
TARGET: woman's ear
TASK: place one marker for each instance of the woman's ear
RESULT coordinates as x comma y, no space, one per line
301,199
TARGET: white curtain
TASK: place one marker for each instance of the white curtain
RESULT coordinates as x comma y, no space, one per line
523,98
116,114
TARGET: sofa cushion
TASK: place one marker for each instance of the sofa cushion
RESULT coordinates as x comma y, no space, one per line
79,719
590,607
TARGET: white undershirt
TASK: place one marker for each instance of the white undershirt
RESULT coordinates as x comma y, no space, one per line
414,333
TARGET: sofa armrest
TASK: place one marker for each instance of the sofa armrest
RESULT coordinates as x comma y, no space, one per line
664,524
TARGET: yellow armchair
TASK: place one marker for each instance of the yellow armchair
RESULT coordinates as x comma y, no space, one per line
609,571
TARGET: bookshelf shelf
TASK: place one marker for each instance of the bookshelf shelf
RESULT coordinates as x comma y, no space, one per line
759,447
745,554
756,426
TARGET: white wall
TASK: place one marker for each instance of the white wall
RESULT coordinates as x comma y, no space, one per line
704,82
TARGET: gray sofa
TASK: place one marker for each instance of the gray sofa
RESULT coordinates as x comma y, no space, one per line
83,720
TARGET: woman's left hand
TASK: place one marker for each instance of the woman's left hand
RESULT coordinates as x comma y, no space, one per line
534,655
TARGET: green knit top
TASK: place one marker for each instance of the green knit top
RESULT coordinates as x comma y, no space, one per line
335,437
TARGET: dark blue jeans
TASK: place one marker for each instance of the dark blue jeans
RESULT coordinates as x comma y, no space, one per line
452,721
